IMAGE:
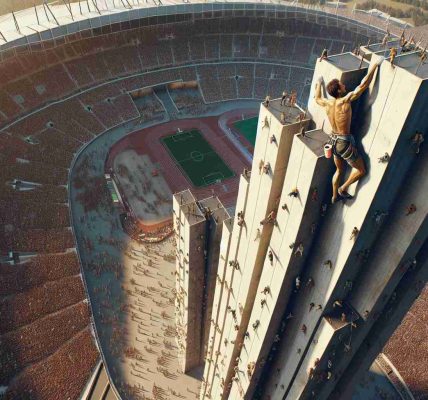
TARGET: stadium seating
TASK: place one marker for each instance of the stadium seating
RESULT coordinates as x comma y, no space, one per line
188,100
57,96
82,62
59,376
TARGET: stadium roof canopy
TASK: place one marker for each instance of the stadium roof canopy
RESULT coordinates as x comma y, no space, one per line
51,20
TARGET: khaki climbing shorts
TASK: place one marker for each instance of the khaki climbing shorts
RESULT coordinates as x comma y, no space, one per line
344,147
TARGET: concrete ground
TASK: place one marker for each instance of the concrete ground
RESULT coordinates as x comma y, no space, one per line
149,196
131,291
130,286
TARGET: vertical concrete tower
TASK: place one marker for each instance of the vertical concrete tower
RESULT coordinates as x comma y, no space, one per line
217,219
198,228
255,220
303,285
190,227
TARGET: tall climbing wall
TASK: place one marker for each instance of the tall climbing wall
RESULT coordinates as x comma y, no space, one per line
255,219
189,227
307,282
198,229
385,121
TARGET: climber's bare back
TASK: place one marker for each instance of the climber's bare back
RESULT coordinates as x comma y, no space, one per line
338,109
339,113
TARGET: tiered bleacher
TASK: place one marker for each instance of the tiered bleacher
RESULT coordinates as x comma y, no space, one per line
82,62
58,95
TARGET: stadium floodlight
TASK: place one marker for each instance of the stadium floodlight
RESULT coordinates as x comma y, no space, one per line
94,2
2,36
68,6
46,13
127,2
16,23
46,7
37,14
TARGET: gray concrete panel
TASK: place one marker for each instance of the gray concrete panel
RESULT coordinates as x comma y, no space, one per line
383,132
296,224
212,386
265,189
396,308
398,243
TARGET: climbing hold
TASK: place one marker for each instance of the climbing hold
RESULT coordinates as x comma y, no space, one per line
384,158
410,209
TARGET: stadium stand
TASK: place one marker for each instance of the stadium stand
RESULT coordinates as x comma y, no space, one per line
84,62
56,96
188,100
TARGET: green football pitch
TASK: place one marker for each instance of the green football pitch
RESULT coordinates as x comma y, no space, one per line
195,156
248,128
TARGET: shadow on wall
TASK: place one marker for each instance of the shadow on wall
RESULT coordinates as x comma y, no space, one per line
374,385
361,121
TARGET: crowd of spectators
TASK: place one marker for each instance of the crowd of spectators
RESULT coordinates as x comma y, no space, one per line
260,87
210,87
40,193
228,88
63,375
407,349
37,172
148,234
150,109
188,101
33,214
34,342
26,307
37,240
53,100
43,310
220,82
84,62
40,269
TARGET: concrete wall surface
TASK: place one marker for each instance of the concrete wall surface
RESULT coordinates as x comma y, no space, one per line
307,282
212,384
297,222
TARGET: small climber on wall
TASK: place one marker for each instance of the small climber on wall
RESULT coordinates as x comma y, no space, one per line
339,113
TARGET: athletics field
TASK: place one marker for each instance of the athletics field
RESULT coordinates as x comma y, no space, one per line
196,158
248,129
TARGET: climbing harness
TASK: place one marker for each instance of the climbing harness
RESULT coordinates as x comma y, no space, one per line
351,150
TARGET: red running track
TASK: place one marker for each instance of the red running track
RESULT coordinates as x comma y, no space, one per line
147,141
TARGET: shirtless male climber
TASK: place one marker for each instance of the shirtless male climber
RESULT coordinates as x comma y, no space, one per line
339,113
